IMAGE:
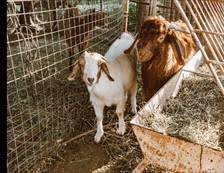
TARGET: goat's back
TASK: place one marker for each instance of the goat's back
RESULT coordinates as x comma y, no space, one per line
119,45
123,73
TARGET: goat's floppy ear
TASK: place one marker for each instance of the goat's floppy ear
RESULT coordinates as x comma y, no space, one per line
177,47
104,68
75,70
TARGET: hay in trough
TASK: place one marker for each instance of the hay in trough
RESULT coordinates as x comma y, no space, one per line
195,114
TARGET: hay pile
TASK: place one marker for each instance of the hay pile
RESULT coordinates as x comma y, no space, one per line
195,114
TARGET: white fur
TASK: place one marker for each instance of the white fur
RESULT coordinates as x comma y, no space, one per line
119,45
106,92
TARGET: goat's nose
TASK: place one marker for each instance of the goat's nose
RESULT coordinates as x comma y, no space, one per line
90,80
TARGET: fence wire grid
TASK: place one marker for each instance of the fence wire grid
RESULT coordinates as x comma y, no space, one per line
43,36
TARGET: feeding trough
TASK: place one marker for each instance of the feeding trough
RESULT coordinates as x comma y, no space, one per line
169,152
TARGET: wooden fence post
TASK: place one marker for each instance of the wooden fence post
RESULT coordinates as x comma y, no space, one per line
124,27
145,10
152,8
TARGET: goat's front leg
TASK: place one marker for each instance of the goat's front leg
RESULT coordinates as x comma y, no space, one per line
120,113
98,108
133,98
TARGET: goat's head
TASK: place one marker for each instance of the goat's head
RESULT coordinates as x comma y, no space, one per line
91,65
154,32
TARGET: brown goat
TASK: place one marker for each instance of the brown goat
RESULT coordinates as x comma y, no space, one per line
78,28
162,52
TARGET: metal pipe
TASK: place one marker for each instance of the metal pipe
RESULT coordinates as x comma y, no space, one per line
214,53
199,44
213,21
203,24
200,31
219,8
219,20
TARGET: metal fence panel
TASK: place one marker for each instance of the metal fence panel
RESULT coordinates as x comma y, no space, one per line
43,107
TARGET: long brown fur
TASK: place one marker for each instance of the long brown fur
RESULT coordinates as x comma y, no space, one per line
162,51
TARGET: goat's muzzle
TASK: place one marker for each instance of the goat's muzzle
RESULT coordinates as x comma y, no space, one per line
90,81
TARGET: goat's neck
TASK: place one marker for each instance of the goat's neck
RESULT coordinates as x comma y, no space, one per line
163,60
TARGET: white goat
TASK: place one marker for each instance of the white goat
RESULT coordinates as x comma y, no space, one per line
108,83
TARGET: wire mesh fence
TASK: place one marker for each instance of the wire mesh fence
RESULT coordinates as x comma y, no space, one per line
43,38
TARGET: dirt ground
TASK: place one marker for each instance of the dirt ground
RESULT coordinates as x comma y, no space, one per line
81,157
115,154
86,156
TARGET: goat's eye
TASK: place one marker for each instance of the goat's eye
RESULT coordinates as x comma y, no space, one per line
151,26
161,38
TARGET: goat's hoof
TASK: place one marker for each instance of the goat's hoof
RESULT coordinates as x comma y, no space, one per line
97,138
121,131
134,110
